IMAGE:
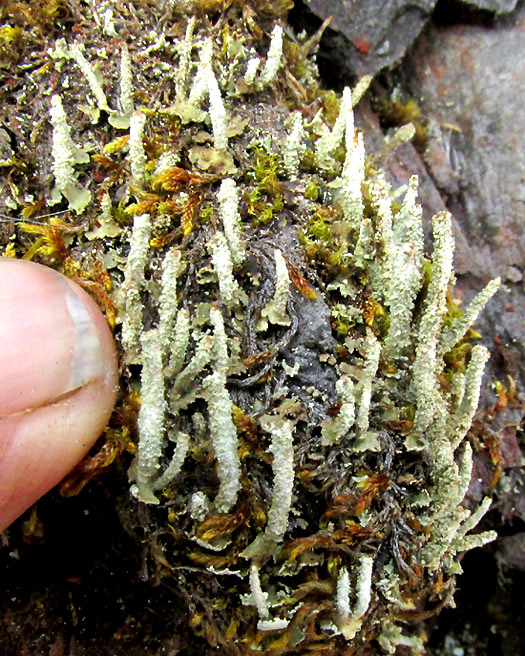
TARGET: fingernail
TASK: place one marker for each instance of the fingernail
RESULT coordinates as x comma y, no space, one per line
86,363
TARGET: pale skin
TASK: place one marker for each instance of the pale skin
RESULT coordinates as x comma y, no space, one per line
58,381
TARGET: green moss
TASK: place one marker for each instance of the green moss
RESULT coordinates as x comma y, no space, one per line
312,191
265,195
296,58
395,113
331,105
326,242
456,358
205,214
454,311
321,230
342,322
10,36
267,172
35,14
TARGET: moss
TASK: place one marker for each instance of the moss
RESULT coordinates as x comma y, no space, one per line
326,242
331,104
312,191
10,36
265,196
267,172
343,324
394,113
36,14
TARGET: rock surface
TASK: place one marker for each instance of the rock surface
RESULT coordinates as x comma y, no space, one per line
369,35
497,6
372,34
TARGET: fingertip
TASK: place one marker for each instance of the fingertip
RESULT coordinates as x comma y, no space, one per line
58,385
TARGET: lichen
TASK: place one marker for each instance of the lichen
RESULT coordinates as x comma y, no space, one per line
300,431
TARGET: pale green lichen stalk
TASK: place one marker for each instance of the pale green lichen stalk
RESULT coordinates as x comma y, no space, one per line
65,155
137,155
349,618
151,417
223,266
133,285
283,477
273,60
372,350
276,309
91,77
229,206
426,362
337,428
224,438
168,298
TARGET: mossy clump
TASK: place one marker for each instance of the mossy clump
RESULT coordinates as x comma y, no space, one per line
295,391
